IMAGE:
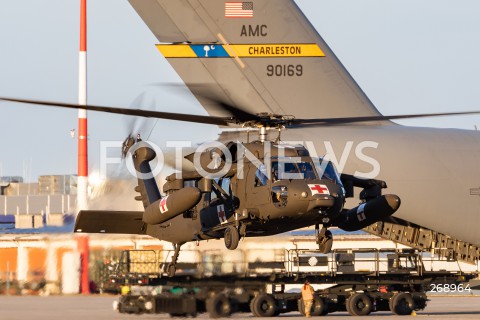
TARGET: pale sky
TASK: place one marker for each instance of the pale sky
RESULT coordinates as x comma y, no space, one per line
409,56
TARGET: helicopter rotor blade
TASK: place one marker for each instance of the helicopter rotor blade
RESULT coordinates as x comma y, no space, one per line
207,92
221,121
142,125
133,124
238,116
301,123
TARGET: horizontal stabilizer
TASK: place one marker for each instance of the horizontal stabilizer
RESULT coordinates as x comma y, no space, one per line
98,221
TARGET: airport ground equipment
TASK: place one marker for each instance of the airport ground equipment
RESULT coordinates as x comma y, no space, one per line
358,281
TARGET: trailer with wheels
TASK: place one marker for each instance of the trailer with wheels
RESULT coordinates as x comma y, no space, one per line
357,281
360,282
341,298
219,296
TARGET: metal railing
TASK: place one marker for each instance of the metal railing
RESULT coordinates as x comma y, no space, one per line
290,262
367,261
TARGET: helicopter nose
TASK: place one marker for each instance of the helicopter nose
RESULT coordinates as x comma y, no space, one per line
321,201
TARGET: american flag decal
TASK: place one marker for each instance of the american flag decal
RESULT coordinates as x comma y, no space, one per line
238,9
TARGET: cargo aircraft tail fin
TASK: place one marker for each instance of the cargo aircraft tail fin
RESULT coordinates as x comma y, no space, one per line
260,55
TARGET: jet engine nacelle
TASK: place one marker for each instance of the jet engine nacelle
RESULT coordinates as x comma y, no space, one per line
172,205
368,213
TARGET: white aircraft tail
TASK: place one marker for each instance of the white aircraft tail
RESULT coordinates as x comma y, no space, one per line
261,56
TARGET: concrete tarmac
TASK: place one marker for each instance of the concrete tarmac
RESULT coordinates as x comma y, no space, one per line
100,308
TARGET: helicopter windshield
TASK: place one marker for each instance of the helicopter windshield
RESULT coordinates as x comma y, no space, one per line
287,168
327,170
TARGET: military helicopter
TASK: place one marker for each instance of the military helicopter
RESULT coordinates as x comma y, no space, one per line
269,188
241,188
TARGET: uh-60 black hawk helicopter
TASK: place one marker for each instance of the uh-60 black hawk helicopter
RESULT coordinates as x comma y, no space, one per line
258,188
242,189
239,189
251,189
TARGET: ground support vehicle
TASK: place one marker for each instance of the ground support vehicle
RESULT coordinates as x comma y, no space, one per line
358,281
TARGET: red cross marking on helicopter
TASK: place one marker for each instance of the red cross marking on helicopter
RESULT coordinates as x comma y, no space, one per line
318,189
163,205
221,213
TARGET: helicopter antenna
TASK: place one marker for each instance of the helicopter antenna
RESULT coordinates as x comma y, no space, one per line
279,135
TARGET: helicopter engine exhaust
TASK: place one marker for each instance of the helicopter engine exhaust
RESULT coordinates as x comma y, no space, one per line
368,213
147,187
172,205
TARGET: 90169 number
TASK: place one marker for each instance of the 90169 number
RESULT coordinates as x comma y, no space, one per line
284,70
446,288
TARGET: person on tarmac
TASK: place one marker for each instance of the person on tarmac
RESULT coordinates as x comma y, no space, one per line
307,297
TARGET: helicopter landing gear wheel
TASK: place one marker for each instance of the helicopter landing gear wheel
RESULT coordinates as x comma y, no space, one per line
232,237
324,239
171,269
325,244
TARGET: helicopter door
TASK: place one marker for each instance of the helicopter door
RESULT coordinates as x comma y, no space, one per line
220,207
258,179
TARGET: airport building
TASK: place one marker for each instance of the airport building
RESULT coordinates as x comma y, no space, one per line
33,260
47,202
50,263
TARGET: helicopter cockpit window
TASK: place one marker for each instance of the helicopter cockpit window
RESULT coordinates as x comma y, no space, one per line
261,177
293,170
327,171
307,169
225,184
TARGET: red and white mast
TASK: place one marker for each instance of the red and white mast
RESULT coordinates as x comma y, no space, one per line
82,183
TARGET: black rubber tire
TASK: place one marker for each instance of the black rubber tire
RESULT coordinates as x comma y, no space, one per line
252,309
231,237
359,305
326,246
264,306
347,305
301,306
420,303
218,306
390,302
319,307
402,304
